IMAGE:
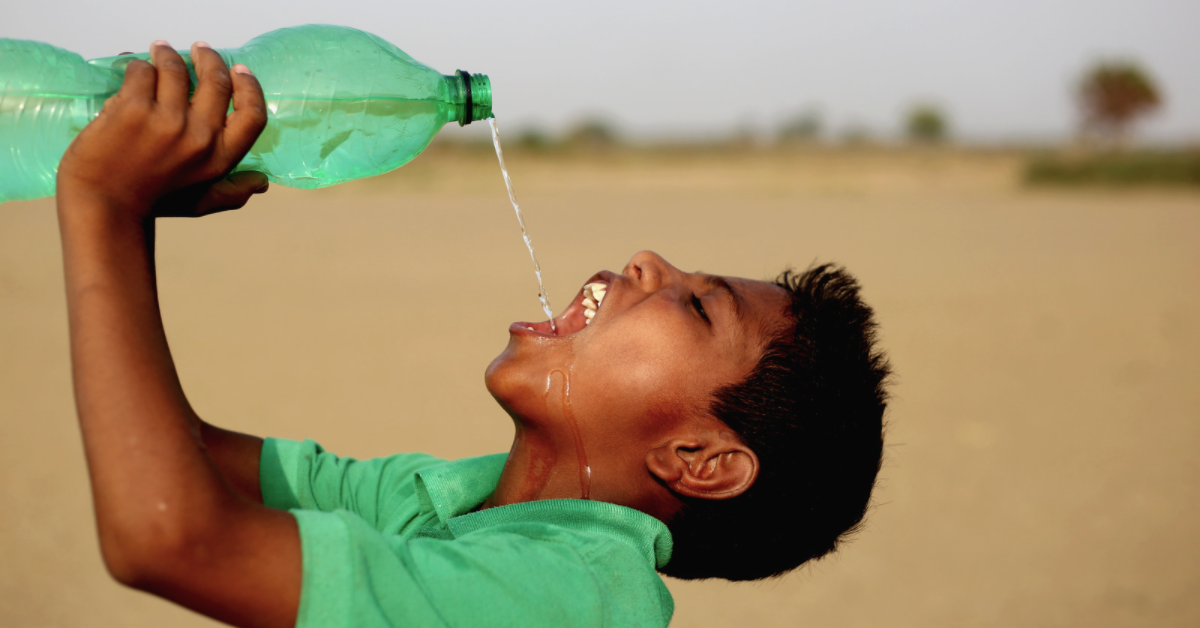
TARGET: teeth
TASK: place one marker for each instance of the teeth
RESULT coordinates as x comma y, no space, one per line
593,295
597,291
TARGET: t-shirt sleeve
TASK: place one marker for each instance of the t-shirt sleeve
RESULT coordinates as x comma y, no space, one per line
355,576
302,475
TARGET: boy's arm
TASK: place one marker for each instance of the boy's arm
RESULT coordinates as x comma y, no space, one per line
236,456
169,522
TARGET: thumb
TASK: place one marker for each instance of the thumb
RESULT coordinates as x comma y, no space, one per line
232,192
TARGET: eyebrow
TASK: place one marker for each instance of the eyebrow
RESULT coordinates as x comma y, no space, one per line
717,281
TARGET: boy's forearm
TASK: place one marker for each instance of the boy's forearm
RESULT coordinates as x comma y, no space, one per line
150,476
235,455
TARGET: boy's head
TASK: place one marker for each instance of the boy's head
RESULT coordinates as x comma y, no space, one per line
745,414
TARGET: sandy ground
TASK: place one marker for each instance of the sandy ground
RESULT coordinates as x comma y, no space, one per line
1042,461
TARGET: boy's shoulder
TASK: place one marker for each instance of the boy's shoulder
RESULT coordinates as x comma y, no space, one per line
302,475
411,522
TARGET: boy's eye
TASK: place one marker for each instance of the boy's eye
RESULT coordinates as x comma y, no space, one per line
699,307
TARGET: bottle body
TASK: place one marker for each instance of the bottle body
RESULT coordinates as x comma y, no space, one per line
342,104
47,96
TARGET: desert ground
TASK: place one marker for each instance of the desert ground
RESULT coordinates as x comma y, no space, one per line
1043,458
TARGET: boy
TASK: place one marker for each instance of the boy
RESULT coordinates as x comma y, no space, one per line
696,425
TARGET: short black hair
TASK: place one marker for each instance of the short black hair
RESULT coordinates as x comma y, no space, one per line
812,411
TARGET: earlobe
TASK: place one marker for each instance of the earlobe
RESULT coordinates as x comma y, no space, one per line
717,469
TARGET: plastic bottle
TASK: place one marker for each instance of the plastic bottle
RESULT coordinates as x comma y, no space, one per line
342,104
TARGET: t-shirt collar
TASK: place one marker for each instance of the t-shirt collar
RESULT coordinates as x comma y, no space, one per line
454,489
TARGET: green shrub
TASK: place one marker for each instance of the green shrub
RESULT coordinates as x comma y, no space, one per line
1116,169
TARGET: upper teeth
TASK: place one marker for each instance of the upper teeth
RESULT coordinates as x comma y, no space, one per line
593,295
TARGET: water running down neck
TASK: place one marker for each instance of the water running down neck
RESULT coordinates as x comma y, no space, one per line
537,268
585,470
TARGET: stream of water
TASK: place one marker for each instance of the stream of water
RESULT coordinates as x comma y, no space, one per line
537,268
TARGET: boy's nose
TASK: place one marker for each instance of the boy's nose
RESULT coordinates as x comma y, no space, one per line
650,270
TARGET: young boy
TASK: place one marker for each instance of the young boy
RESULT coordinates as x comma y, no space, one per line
694,425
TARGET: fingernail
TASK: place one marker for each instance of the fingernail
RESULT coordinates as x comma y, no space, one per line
160,43
202,44
241,69
263,188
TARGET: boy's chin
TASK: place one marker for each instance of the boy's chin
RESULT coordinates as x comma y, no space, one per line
518,383
507,377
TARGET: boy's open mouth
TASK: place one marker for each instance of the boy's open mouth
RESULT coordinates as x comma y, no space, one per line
578,315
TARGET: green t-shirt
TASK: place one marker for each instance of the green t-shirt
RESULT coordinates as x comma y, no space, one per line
394,542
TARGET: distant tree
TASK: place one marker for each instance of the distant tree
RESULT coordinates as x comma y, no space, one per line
593,133
1112,95
744,135
807,126
857,135
926,123
534,138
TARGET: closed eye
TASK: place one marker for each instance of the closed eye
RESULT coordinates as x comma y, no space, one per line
699,307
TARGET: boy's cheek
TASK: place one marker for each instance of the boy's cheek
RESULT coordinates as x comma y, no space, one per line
625,379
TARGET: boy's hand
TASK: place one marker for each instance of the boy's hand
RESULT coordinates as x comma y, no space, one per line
151,152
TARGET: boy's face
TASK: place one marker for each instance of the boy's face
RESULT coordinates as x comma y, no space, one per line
660,343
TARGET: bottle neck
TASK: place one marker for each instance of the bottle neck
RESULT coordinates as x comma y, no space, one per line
473,95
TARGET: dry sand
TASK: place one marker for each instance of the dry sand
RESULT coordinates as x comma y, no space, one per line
1042,462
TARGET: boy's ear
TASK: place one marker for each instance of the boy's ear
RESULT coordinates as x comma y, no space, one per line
709,466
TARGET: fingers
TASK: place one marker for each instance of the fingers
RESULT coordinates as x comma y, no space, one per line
202,141
141,80
173,78
249,116
213,86
231,193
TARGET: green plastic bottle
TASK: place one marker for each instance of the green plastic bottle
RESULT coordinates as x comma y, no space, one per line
342,105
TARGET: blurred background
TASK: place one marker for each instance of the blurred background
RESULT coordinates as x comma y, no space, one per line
1016,184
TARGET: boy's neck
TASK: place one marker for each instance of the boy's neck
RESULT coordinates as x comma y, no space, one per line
539,466
546,466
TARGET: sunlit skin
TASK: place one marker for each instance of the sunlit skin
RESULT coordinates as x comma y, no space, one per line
641,376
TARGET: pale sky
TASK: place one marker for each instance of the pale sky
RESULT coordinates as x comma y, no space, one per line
1003,69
